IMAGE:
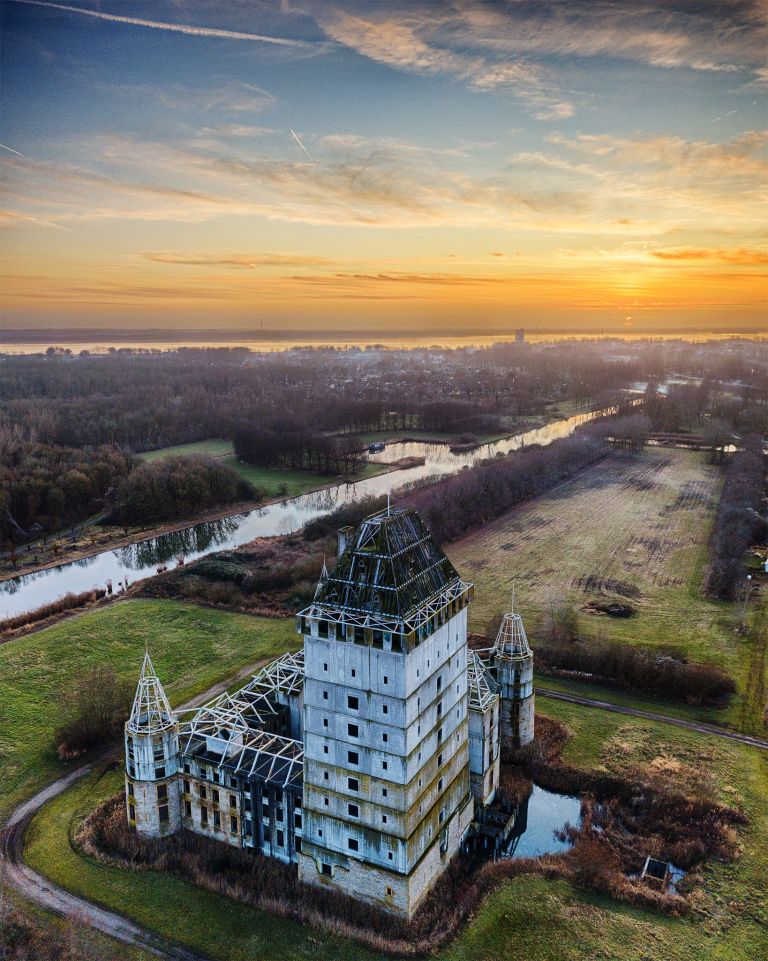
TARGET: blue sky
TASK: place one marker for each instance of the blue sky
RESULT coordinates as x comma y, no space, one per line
316,165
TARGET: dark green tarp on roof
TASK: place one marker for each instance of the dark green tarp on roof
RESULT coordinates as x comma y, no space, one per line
392,565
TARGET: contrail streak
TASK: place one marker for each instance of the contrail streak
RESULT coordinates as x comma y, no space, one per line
12,150
172,27
296,138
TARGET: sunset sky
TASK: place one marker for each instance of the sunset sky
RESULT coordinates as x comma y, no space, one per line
583,164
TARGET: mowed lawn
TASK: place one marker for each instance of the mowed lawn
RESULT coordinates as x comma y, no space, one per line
290,483
275,481
528,917
631,529
215,447
192,648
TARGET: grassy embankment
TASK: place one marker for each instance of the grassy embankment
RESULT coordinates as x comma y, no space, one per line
633,530
192,648
425,436
547,921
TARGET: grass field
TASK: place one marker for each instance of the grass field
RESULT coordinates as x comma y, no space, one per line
215,447
291,483
192,648
542,920
632,529
274,480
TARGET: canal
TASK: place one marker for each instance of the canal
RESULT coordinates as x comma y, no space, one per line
123,566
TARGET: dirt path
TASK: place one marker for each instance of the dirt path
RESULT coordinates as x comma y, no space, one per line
38,889
700,728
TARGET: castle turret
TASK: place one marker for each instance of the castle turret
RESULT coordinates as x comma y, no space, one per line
512,658
151,759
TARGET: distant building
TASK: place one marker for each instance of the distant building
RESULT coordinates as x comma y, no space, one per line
520,335
363,758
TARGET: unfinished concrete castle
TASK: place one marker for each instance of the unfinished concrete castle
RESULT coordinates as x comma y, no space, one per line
365,757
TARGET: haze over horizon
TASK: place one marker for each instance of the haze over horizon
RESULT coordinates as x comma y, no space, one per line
368,167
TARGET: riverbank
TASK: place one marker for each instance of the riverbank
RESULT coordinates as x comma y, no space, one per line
90,546
140,554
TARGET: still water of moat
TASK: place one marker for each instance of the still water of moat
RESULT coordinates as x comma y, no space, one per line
537,829
124,565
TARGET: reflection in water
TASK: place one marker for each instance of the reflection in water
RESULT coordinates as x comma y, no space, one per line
192,540
526,830
30,591
538,821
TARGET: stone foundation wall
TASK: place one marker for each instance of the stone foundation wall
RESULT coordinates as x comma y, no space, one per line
142,799
399,893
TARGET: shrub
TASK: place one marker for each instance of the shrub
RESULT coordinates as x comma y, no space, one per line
176,487
96,706
738,521
67,603
637,669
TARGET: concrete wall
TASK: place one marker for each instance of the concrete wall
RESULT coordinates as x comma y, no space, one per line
515,677
151,787
484,753
399,893
408,738
152,756
144,799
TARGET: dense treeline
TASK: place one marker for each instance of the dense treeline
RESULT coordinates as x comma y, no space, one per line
176,487
65,415
45,488
465,501
635,669
289,444
739,521
143,402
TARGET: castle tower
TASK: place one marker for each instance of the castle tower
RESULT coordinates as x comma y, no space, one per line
512,658
387,796
151,752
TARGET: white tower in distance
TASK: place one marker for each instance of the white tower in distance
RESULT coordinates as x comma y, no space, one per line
151,759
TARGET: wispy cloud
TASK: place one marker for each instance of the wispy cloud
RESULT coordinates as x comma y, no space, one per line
734,255
248,261
188,29
587,184
406,43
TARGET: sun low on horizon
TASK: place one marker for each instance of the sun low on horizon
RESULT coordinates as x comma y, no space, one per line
318,165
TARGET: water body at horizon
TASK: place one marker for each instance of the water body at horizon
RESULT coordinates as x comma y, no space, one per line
437,341
141,559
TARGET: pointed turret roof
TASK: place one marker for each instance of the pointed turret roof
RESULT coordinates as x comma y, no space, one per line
151,712
511,641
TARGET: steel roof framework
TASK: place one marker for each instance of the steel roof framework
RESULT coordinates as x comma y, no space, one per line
483,690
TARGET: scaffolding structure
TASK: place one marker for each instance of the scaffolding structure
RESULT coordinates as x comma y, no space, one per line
284,675
229,733
151,712
511,641
483,689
